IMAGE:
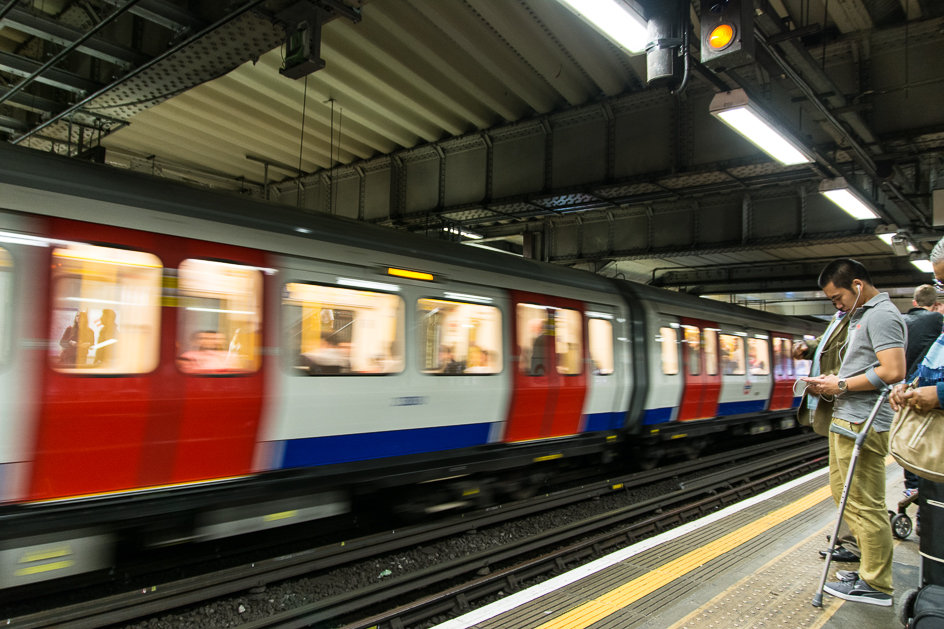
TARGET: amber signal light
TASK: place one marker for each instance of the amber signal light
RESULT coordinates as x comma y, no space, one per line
412,275
721,36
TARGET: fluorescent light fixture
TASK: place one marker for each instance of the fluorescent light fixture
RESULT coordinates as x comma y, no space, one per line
749,119
346,281
302,230
923,265
840,192
462,232
621,21
464,297
886,238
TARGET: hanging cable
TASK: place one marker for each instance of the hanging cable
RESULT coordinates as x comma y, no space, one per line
301,144
333,192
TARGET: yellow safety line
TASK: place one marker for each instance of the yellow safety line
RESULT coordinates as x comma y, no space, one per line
623,596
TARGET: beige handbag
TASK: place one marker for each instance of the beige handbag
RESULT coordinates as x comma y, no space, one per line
916,441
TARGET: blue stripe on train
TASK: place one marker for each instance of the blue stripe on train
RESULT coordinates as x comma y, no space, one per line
796,402
657,415
375,445
605,421
739,408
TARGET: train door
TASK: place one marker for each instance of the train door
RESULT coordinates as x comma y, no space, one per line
700,360
666,381
550,379
782,395
759,385
603,380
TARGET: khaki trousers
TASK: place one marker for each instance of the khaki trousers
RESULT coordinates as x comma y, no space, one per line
865,507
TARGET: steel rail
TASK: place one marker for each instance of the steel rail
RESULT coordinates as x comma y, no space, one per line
114,15
146,66
162,598
617,528
7,8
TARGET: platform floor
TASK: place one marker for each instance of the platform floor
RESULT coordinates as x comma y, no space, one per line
754,564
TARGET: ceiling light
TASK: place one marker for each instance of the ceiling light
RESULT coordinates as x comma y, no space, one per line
923,265
840,192
886,238
462,232
746,117
621,21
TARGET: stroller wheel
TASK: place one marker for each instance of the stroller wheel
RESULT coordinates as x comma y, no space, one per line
906,606
901,526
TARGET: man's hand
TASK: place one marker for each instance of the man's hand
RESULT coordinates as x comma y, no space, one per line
823,385
799,350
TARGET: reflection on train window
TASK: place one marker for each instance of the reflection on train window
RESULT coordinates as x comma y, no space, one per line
568,334
459,338
600,332
711,351
106,310
759,357
783,358
220,316
534,329
342,331
693,346
668,337
6,298
801,367
732,355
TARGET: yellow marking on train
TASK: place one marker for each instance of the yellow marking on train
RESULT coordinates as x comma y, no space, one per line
549,457
169,281
410,275
611,438
59,565
470,492
42,555
679,436
272,517
623,596
653,431
618,486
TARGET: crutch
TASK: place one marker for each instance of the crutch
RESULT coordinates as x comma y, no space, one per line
859,440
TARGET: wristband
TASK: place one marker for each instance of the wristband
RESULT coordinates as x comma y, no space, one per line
877,382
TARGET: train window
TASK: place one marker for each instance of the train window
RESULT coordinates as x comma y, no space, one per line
783,357
801,367
668,337
534,328
693,343
759,356
106,310
459,338
342,331
600,332
218,328
568,335
6,302
711,351
732,355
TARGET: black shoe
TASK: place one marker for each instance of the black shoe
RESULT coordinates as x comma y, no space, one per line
841,554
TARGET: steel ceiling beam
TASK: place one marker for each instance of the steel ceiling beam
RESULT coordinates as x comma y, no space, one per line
165,14
55,31
31,102
24,67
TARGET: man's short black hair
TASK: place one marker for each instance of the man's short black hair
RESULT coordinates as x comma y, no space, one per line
842,271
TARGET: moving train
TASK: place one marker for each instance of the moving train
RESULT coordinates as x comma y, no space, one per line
180,365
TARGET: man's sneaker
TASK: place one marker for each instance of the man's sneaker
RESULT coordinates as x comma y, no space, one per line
847,575
841,554
860,592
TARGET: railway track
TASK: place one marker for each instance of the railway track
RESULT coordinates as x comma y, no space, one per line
481,574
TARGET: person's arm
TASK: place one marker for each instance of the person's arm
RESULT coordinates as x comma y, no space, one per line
804,350
891,369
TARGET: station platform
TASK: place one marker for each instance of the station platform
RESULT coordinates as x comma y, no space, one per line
753,564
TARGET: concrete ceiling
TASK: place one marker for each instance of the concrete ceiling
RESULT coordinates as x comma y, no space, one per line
512,120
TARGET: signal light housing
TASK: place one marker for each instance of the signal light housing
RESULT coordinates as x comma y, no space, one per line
727,33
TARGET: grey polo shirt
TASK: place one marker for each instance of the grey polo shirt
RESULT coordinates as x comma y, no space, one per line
875,326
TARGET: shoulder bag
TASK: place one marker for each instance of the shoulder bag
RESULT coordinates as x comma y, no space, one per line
916,441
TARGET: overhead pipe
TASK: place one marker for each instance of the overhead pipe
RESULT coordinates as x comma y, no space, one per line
65,51
140,69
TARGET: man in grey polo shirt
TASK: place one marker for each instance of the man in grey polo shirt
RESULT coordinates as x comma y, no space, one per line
875,356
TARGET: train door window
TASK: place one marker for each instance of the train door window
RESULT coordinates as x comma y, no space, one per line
693,343
732,355
106,310
668,338
783,359
534,327
459,338
568,336
218,326
6,298
342,331
600,333
711,351
758,356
